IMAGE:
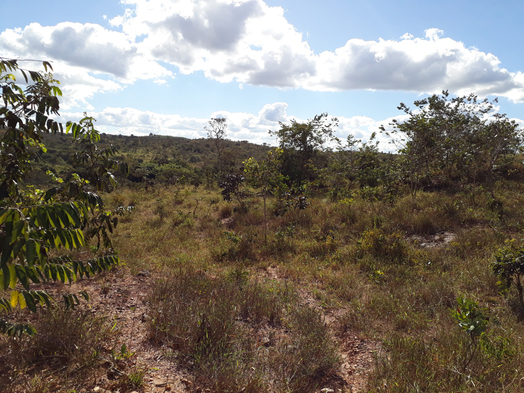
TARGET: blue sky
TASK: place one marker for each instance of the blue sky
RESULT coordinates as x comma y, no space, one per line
168,66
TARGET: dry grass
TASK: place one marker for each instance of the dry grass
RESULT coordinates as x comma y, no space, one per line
382,270
68,344
239,335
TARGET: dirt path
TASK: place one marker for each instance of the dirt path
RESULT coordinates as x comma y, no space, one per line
356,353
123,298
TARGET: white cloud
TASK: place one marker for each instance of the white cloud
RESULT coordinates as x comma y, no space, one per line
86,58
418,65
78,88
434,34
274,112
249,42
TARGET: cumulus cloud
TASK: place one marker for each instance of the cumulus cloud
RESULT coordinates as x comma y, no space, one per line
426,65
87,58
249,42
274,112
85,46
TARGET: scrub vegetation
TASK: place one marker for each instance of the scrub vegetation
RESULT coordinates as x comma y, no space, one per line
265,270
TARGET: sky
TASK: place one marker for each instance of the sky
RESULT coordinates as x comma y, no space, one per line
169,66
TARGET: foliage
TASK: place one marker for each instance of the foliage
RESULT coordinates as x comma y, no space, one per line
290,199
36,224
469,317
453,140
164,159
266,176
301,145
232,188
362,165
97,162
509,267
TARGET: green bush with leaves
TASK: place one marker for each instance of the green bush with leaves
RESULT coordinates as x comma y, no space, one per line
509,268
36,226
472,320
265,175
303,146
458,140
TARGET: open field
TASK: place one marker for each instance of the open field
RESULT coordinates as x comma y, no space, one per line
354,294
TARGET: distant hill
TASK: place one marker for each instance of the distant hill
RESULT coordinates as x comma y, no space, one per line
155,157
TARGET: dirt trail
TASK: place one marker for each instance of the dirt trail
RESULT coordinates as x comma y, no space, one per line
356,353
122,297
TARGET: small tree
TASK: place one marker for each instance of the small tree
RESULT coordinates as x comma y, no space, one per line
509,268
301,145
472,320
232,186
217,133
266,176
453,139
35,223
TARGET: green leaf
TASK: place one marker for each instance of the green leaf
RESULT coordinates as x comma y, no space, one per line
28,296
64,217
50,193
21,275
5,304
31,272
6,252
6,278
74,214
44,298
31,251
12,274
24,75
41,216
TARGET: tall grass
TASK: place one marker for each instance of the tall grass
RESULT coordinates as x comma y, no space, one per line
240,335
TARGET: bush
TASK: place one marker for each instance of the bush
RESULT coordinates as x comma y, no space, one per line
390,247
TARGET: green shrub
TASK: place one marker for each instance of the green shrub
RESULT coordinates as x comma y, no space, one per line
389,247
509,268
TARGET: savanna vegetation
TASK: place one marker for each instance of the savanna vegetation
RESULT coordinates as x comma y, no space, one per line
319,265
